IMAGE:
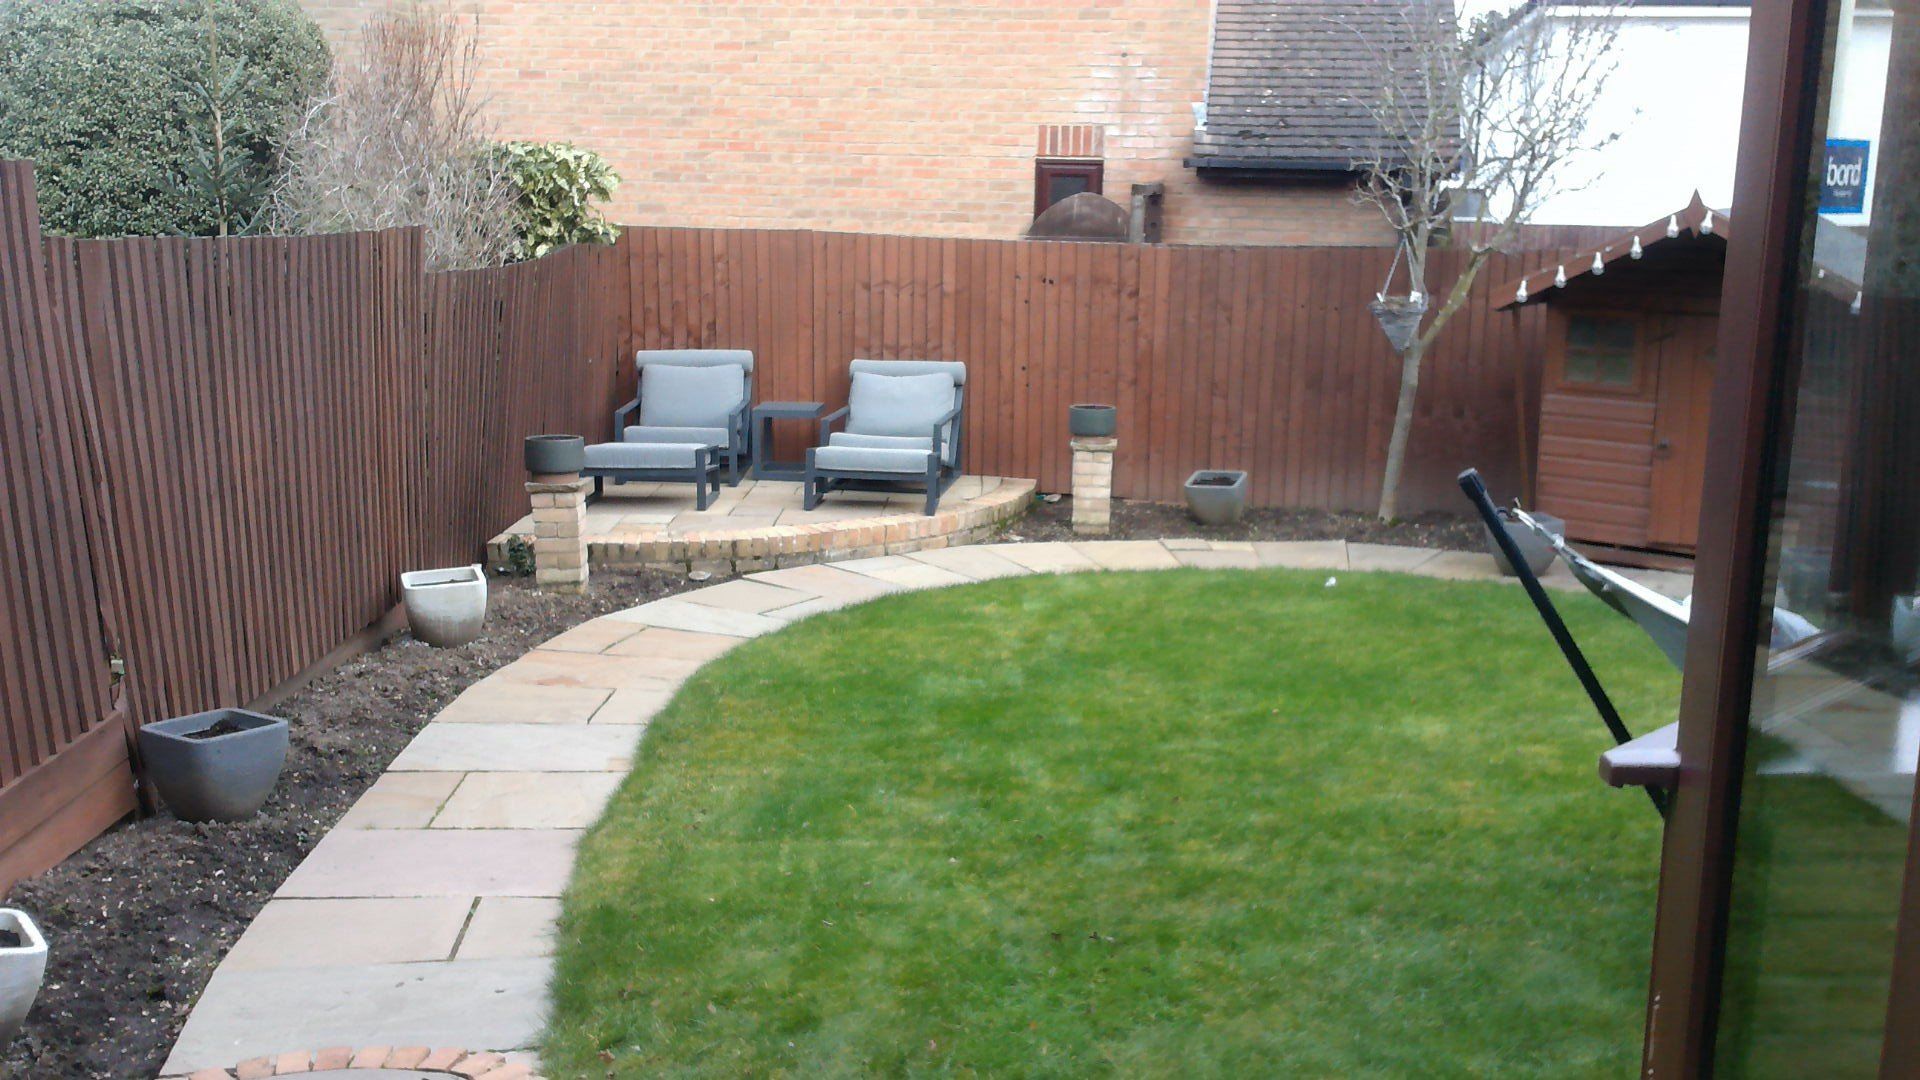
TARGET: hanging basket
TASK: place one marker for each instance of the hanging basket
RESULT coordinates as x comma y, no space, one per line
1399,318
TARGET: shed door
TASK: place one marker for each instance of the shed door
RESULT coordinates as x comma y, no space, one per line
1683,346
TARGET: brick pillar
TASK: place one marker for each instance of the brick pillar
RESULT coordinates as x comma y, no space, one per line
1093,485
559,531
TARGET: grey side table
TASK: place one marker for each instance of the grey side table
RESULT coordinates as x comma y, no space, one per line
764,414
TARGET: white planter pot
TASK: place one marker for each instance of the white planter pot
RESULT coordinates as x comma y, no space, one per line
21,969
446,607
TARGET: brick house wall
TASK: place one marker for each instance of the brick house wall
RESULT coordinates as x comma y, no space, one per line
910,117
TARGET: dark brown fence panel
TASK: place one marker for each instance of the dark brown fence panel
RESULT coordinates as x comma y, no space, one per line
1259,358
64,771
532,348
217,456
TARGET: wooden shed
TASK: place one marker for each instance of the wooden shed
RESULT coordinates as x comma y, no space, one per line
1626,379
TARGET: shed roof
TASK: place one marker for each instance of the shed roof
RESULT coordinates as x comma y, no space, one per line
1694,220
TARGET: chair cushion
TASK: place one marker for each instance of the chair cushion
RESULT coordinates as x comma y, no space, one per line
690,397
870,459
898,405
630,455
694,357
705,436
922,443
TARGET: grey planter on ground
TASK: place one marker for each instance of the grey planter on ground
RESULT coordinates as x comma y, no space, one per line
1538,553
22,967
220,778
1091,421
446,607
555,455
1217,496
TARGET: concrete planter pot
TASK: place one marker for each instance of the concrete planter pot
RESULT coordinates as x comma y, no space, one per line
1217,496
23,964
555,455
1537,552
447,608
1092,421
214,766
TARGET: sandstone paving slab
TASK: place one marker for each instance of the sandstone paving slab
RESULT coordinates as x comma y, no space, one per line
478,1004
1388,557
819,605
1050,557
1128,554
497,700
632,707
596,635
829,582
1186,543
545,668
293,933
1219,559
400,801
969,560
699,618
527,800
506,927
1461,566
1302,554
519,748
754,597
677,644
435,862
904,572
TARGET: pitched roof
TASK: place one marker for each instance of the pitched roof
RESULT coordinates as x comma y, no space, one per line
1291,80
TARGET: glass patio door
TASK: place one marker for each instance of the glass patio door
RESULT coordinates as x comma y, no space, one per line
1789,936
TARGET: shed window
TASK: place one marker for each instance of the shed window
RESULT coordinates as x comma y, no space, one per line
1054,180
1601,351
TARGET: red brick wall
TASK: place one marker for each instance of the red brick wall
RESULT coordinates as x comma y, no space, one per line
907,117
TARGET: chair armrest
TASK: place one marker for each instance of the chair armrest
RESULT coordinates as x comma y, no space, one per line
827,422
940,425
620,416
738,422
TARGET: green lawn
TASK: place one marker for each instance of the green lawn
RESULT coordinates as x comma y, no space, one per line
1199,823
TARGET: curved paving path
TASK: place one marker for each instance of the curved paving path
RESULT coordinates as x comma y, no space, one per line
425,917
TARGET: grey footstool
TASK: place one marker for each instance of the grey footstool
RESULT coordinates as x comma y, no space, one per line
690,463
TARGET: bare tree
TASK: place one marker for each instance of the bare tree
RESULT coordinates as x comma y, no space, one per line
401,139
1489,109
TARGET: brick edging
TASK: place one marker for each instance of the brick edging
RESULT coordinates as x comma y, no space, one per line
776,547
451,1061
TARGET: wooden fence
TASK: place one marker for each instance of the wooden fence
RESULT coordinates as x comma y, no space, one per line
216,457
1265,359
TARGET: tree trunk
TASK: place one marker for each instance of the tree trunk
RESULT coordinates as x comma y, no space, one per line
1402,428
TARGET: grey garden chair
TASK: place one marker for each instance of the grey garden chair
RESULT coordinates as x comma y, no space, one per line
692,396
904,431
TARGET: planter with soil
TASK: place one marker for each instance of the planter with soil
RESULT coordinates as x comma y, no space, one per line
1092,421
446,608
214,766
1217,496
555,455
23,964
1533,548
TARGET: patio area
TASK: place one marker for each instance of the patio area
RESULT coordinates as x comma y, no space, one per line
760,525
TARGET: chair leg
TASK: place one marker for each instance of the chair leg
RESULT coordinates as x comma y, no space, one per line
933,486
699,479
809,486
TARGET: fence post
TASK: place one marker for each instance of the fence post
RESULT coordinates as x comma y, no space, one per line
559,531
1093,485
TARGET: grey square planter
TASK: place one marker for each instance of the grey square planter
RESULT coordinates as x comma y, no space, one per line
220,778
1217,496
448,607
1538,553
22,967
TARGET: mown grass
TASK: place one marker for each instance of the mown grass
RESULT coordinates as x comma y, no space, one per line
1200,823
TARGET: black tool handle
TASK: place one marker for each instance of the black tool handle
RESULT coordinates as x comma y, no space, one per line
1476,491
